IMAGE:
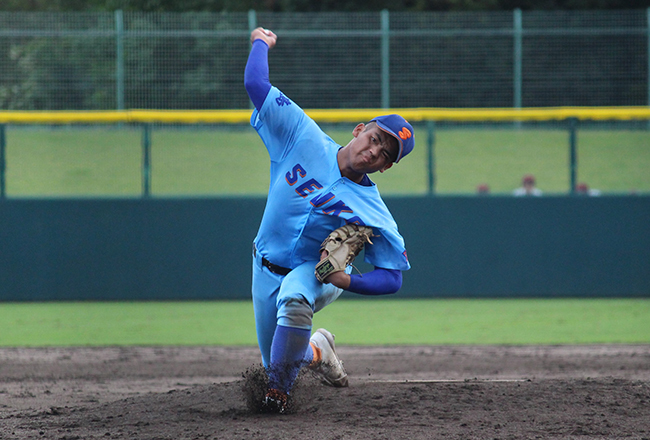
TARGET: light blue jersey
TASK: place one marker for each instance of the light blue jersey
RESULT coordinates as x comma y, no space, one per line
308,198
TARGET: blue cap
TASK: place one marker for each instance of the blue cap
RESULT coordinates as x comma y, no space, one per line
400,129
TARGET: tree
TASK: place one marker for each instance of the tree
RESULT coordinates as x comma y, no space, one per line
312,6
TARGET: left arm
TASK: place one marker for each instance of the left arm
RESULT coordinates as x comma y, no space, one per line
378,282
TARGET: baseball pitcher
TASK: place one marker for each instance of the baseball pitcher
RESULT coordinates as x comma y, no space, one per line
322,210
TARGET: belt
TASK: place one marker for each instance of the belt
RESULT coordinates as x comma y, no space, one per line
274,268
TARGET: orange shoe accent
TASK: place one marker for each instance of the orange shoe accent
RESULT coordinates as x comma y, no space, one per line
318,357
275,401
277,394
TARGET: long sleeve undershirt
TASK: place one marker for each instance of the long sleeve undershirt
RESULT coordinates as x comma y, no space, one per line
378,282
256,75
256,80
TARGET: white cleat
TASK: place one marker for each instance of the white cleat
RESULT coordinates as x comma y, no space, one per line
329,367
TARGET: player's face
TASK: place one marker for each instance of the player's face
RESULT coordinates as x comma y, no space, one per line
371,149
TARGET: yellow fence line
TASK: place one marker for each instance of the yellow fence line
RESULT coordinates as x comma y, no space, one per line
327,115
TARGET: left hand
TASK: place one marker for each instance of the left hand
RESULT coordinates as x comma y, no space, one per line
339,279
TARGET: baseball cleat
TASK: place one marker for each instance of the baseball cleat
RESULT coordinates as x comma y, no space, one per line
326,363
274,402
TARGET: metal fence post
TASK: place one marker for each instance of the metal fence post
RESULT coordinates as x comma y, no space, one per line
517,55
573,153
431,142
648,56
385,59
252,20
3,163
146,160
119,62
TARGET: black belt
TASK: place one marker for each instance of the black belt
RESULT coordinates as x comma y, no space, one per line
274,268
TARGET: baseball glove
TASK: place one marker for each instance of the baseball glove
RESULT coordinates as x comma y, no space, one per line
342,247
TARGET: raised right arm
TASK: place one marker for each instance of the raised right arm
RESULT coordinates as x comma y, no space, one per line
256,75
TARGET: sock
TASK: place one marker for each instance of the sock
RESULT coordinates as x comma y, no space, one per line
290,351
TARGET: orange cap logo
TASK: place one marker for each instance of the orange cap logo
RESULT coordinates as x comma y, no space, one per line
405,133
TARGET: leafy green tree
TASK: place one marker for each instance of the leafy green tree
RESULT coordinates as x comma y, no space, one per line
312,6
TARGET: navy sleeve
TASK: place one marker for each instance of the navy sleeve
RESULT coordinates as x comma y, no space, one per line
378,282
256,75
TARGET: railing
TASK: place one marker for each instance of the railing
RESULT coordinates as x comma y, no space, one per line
425,117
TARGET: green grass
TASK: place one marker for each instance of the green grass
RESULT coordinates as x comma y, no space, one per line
356,322
106,161
95,162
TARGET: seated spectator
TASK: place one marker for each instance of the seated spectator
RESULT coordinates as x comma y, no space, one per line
527,187
582,189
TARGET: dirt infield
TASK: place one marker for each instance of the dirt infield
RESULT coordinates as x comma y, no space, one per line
456,392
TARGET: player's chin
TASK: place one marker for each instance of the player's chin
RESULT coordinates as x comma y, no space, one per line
370,170
365,167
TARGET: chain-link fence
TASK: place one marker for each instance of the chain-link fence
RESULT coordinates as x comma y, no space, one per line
89,61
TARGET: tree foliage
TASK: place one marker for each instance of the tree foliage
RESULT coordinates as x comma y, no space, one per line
312,6
81,61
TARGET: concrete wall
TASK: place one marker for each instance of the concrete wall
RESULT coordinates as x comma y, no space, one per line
175,249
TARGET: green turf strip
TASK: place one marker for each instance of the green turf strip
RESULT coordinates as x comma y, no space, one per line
372,322
106,161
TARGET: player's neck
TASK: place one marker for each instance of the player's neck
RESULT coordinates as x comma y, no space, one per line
346,170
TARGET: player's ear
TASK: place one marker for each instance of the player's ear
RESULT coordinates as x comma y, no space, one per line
358,129
387,166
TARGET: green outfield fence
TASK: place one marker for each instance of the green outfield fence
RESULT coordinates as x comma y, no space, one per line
143,72
171,248
200,248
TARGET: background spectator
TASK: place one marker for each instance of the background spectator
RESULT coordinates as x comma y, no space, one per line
582,189
527,187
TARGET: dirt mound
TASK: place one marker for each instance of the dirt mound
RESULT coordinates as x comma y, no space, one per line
395,392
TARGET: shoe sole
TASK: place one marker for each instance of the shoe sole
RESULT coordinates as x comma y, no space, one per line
343,381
